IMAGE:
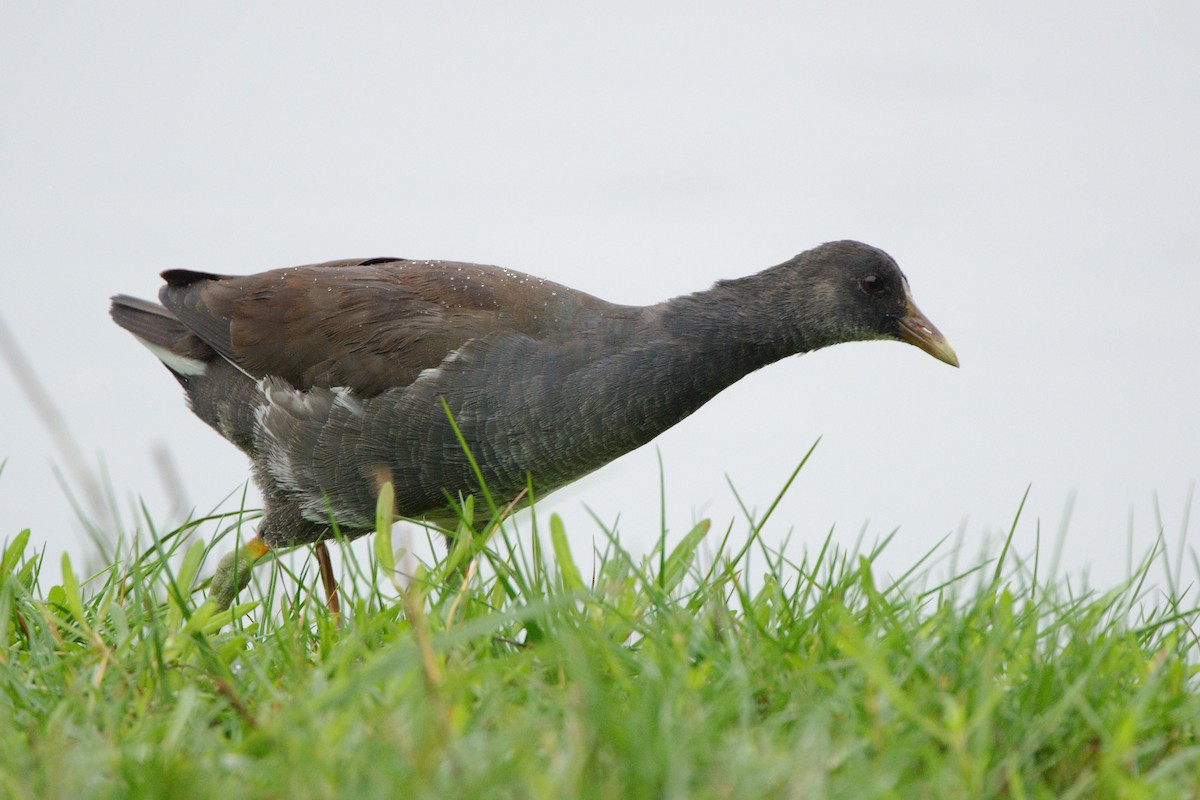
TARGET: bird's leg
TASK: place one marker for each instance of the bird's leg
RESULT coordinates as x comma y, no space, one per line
327,579
233,572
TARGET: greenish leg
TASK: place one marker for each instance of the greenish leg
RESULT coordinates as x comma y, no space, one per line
233,572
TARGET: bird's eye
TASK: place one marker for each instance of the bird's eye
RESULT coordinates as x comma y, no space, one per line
871,284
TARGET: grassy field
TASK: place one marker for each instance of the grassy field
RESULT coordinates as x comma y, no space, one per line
711,668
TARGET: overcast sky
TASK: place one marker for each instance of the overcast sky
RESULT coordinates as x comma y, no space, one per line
1034,167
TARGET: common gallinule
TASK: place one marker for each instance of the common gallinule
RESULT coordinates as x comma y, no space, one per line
331,377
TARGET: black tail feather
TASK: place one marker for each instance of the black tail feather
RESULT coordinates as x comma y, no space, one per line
186,277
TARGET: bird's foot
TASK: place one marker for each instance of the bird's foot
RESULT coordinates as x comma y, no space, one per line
233,572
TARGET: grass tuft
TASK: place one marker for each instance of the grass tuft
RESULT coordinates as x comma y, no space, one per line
516,668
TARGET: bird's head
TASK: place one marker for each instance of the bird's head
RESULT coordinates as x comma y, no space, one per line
861,294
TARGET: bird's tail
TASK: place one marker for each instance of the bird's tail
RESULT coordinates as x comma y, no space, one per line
180,350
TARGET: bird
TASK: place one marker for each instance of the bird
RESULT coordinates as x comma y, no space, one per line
343,379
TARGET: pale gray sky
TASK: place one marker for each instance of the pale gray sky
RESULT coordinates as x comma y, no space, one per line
1032,166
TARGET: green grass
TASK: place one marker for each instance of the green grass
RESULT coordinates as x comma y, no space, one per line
514,668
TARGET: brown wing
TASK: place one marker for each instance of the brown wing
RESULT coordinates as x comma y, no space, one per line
368,325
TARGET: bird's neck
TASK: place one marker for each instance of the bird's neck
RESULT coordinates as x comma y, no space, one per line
686,351
750,322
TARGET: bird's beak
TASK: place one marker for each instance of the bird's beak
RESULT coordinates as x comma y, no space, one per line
916,329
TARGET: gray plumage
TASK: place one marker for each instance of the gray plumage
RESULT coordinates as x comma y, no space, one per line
331,377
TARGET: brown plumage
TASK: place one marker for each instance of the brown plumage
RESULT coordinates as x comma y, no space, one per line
331,376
